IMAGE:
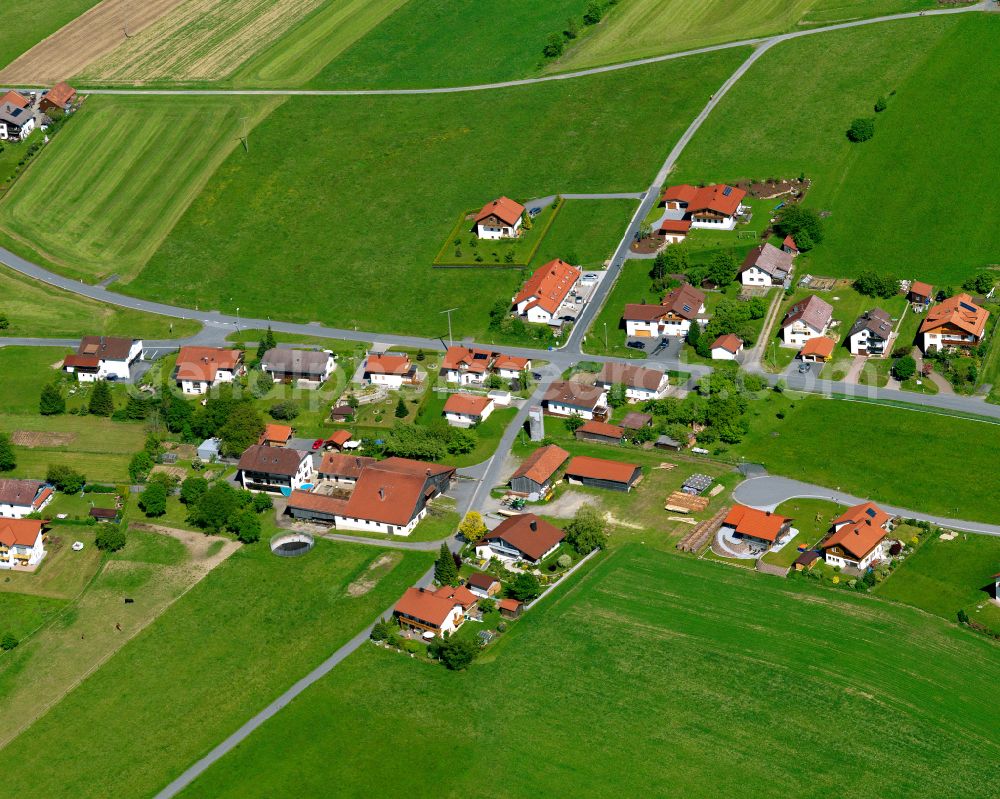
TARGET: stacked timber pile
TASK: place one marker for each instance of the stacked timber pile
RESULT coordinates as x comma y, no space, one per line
682,502
697,538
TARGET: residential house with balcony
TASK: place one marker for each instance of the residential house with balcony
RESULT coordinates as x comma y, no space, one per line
954,323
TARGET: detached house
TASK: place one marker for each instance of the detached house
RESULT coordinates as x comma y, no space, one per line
426,611
674,231
60,96
760,527
510,367
715,206
727,347
18,498
565,398
390,370
920,295
534,475
287,365
955,322
500,219
870,333
466,365
546,291
672,317
859,537
16,118
274,469
465,410
640,383
200,368
483,585
103,358
766,265
808,318
521,538
22,543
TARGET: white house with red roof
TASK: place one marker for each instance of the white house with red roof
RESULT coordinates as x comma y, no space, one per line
715,207
429,611
466,410
955,323
859,537
546,291
22,543
470,366
759,527
672,317
727,347
807,319
389,369
200,368
18,498
500,219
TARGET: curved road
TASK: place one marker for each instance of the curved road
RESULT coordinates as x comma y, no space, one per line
767,492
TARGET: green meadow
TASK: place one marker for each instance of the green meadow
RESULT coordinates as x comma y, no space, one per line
652,670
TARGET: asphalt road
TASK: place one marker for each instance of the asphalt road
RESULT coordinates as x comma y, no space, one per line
767,492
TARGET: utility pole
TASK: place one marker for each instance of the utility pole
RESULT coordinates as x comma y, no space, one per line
451,341
237,318
125,10
605,336
246,135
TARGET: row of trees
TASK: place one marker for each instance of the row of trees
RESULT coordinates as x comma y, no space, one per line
425,443
592,14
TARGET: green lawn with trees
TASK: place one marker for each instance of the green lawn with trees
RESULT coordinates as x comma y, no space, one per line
234,642
673,634
411,161
909,63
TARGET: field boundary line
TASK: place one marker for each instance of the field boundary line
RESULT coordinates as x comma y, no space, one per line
970,417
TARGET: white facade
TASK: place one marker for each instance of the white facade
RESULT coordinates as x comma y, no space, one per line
941,341
467,420
536,314
465,378
756,277
722,354
798,333
12,134
723,223
10,511
860,340
21,555
485,231
302,475
389,381
371,526
560,409
877,554
201,386
500,550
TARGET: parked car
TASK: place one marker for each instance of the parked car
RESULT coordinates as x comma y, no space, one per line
637,345
318,443
804,367
534,211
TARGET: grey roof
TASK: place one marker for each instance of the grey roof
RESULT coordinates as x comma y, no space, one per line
698,482
768,258
814,311
876,321
14,115
19,492
271,460
298,362
576,395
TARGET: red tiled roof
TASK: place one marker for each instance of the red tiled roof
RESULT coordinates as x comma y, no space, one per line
482,580
511,363
707,198
339,438
467,404
81,361
601,429
60,94
321,503
42,497
820,347
276,432
504,209
729,342
643,312
528,534
203,363
675,225
856,539
959,311
541,464
16,99
685,301
20,532
577,395
509,604
601,469
756,523
458,594
680,193
860,513
467,357
426,606
392,491
385,364
549,285
338,464
790,243
921,289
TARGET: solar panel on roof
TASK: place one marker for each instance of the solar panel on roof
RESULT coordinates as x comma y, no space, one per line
727,191
870,512
968,307
687,308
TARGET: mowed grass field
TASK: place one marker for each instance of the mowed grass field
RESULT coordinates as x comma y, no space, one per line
37,310
360,205
105,192
925,140
206,40
222,651
888,454
652,670
27,22
643,28
407,49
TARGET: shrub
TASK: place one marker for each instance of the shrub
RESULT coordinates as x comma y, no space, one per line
963,618
457,653
111,538
904,368
874,284
564,561
862,129
8,642
284,411
65,478
381,631
8,460
153,500
553,49
592,15
51,401
881,104
140,466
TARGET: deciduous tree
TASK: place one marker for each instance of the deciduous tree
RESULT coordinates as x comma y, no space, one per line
153,500
473,528
8,459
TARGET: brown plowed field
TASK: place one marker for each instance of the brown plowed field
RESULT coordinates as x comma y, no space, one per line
87,38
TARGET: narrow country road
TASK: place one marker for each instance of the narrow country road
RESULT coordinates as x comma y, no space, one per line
767,492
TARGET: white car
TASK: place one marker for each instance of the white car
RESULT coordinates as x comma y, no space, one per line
77,546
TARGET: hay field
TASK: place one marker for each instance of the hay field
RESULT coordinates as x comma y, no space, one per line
88,37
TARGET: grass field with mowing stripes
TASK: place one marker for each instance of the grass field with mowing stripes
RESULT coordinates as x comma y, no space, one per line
107,190
652,670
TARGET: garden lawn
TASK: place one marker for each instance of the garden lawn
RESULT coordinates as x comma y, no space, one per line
26,22
943,577
408,49
101,197
220,653
63,574
497,252
35,310
23,613
643,28
585,233
926,137
488,432
362,231
667,642
633,286
812,518
875,451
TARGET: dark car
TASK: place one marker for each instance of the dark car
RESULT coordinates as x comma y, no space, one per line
804,367
637,345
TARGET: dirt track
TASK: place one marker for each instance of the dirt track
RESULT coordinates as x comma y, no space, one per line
88,37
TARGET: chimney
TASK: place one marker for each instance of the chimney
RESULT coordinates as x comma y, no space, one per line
428,472
381,494
534,525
